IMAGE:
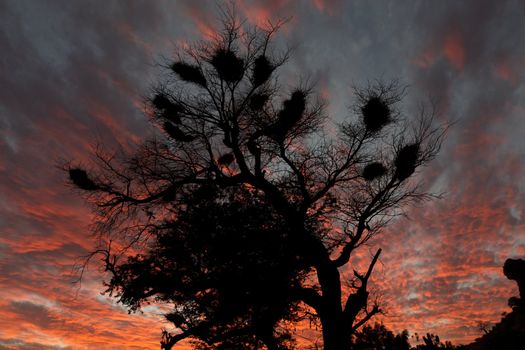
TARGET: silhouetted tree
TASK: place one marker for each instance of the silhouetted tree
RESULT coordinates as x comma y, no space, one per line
484,326
432,342
244,213
379,337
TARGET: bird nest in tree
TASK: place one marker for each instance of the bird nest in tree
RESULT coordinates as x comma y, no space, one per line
262,69
373,171
257,101
176,133
293,109
229,67
406,161
81,179
288,116
376,113
189,73
167,109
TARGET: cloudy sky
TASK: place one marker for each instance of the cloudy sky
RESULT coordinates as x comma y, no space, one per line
74,73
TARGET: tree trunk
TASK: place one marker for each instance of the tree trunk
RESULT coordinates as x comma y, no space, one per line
336,333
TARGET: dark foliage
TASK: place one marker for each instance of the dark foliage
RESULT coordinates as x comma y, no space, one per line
80,178
229,67
432,342
227,261
262,70
189,73
379,337
373,171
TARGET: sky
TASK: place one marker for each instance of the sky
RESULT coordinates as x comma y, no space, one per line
74,74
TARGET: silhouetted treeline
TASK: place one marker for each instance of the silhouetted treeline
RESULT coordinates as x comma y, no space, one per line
378,337
508,334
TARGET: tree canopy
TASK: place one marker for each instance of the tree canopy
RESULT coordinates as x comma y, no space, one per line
243,212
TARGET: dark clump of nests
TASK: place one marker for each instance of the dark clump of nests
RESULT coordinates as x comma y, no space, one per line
373,171
229,67
262,70
167,109
226,159
376,113
406,161
81,179
257,101
293,109
189,73
288,116
177,134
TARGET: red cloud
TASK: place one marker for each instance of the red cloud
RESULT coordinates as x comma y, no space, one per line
454,50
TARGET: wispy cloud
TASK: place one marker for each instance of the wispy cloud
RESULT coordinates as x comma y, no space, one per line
74,74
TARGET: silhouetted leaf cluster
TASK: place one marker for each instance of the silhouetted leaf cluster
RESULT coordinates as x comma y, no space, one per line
379,337
229,264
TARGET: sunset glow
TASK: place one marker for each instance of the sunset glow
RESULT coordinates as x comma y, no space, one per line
75,74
